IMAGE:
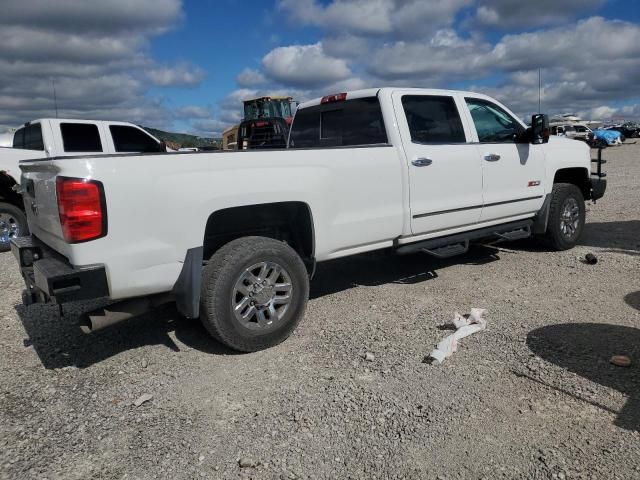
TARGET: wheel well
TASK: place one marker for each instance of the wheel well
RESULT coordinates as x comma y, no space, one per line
576,176
290,222
7,194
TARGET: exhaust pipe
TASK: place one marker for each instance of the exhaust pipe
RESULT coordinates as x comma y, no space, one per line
119,312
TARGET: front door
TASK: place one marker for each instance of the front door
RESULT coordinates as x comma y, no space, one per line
445,173
513,173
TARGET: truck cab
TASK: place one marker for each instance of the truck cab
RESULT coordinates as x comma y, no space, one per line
56,137
401,169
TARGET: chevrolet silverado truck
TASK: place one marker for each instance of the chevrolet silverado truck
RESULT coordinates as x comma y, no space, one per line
234,237
53,137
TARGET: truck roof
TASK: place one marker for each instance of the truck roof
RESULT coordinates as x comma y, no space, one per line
372,92
77,120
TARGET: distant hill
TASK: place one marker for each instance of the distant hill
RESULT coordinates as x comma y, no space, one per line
183,140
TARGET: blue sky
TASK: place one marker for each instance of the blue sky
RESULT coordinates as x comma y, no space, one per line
186,65
242,35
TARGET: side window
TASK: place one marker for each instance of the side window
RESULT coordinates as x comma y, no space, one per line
493,124
18,138
33,137
130,139
433,119
80,137
348,123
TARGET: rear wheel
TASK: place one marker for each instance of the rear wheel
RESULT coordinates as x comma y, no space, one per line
566,216
254,293
13,223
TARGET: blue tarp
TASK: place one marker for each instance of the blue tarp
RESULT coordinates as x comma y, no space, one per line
609,136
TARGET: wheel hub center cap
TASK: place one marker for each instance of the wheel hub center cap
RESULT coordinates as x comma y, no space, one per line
264,295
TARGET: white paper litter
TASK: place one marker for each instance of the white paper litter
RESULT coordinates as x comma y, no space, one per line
465,325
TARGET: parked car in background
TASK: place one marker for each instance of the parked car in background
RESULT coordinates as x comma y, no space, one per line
619,130
631,129
627,130
604,137
253,223
6,139
56,137
563,131
583,133
573,131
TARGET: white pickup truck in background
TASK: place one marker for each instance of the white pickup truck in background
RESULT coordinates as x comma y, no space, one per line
233,237
56,137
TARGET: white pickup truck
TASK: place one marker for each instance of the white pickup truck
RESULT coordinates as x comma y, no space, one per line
233,237
55,137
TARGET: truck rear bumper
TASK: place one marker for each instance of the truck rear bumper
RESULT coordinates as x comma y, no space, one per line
50,278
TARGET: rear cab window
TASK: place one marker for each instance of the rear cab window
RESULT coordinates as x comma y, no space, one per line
29,137
353,122
80,137
131,139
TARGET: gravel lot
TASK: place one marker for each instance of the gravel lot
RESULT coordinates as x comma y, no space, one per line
533,396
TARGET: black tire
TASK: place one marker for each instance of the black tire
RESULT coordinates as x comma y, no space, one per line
219,280
559,236
13,223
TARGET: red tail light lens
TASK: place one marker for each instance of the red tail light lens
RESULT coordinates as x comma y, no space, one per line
338,97
82,209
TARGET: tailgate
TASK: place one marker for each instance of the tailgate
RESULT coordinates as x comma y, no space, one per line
40,201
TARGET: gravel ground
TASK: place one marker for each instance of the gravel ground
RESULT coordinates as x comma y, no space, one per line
533,396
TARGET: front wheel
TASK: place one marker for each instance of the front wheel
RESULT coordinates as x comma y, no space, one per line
254,293
13,223
566,216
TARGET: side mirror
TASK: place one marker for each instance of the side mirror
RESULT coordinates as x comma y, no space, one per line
540,129
163,146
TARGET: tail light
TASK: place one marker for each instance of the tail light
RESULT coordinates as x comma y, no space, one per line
82,208
338,97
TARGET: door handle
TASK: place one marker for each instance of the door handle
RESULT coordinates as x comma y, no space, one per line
421,162
492,157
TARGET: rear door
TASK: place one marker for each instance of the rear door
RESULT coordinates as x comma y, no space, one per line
445,173
76,138
512,172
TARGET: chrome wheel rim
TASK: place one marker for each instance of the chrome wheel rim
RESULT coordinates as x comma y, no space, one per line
570,217
9,228
261,295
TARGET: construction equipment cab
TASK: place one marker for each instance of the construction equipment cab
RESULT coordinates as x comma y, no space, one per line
407,170
266,123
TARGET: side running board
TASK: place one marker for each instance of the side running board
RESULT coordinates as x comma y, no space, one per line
445,247
449,250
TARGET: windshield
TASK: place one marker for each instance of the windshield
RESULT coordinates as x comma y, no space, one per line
252,111
282,108
267,109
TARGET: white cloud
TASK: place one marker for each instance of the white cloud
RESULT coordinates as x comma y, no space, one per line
96,53
505,14
400,18
304,65
182,74
359,16
146,16
250,78
193,111
445,56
